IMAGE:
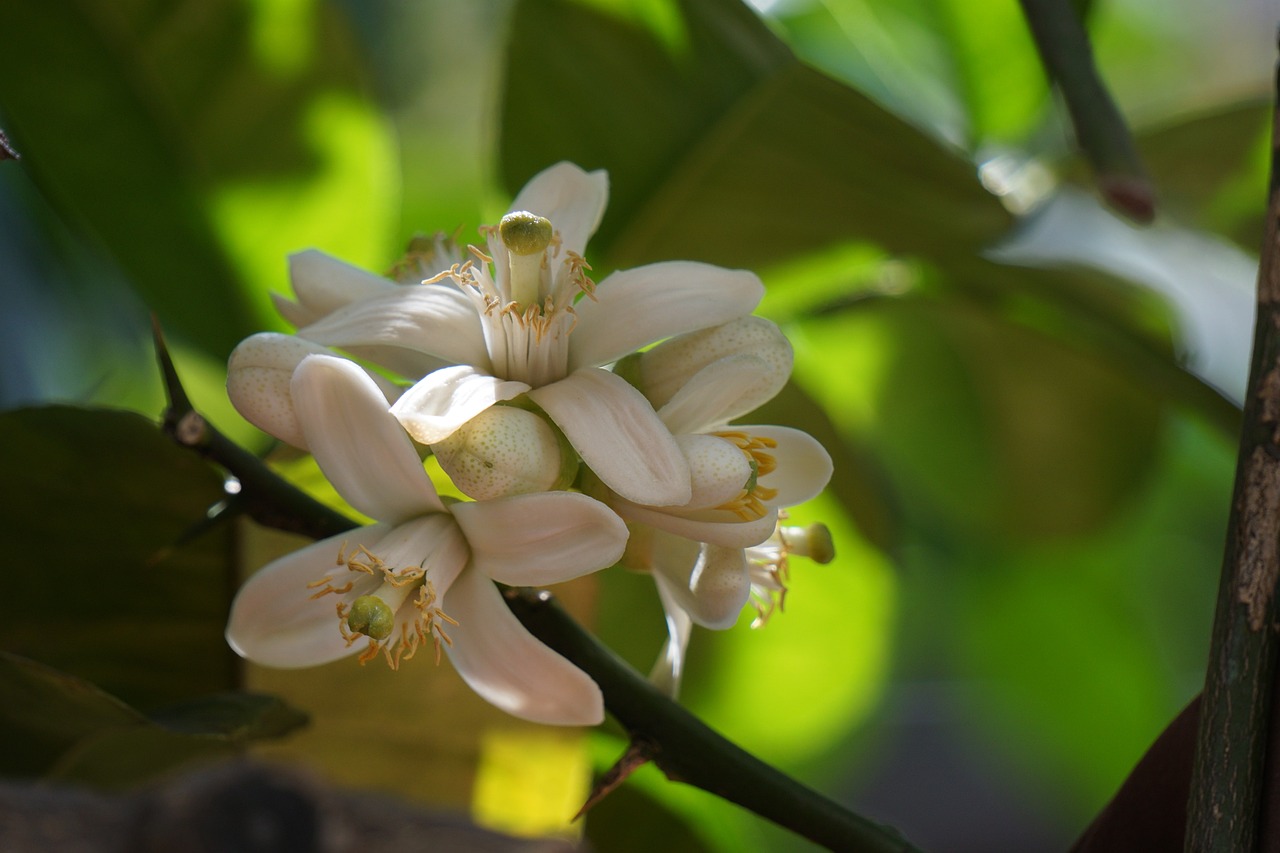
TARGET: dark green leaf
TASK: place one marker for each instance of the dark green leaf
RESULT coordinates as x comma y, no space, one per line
731,152
100,503
58,726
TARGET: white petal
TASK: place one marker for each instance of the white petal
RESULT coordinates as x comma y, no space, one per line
804,466
574,201
439,403
258,376
714,590
668,368
358,443
668,670
718,527
323,284
634,308
618,436
532,540
510,667
432,542
436,319
718,470
275,622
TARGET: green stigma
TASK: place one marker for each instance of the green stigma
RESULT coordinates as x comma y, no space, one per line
525,233
754,478
372,617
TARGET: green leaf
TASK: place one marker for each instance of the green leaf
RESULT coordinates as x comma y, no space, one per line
731,152
119,584
196,155
61,727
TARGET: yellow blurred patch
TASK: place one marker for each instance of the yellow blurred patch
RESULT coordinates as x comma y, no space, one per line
531,781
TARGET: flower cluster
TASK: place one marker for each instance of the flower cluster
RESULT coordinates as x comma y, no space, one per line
590,424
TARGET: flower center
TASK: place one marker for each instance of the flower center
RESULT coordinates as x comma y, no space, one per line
381,615
523,291
749,504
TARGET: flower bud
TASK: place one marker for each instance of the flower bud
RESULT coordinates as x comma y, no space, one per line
719,471
258,375
665,369
504,451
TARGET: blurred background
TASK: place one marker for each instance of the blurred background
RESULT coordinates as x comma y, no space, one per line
1032,403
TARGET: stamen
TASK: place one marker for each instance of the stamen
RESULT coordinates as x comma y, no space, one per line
374,616
749,505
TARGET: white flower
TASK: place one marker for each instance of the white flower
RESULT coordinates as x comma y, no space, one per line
523,318
425,571
707,556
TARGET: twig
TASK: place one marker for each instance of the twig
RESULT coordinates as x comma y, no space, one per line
264,496
686,750
676,740
1100,129
1226,784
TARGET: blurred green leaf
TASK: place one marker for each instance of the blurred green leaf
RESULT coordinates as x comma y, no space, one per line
987,427
732,152
61,727
97,550
1211,169
190,139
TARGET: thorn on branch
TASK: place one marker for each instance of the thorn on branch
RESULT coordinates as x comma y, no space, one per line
639,753
7,151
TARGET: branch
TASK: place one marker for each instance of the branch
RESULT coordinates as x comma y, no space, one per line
688,751
678,742
1100,129
264,495
1226,784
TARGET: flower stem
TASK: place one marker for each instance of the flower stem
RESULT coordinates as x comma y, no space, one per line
1100,129
1227,780
686,750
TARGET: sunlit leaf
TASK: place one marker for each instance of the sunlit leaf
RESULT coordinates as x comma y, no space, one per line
166,130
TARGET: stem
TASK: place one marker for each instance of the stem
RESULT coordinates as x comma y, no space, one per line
679,743
1227,780
688,751
1100,129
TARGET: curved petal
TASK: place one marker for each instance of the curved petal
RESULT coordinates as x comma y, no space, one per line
573,199
706,528
715,394
544,538
258,375
439,403
436,319
804,466
432,542
713,590
508,666
275,621
358,443
634,308
668,669
618,436
323,284
669,367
